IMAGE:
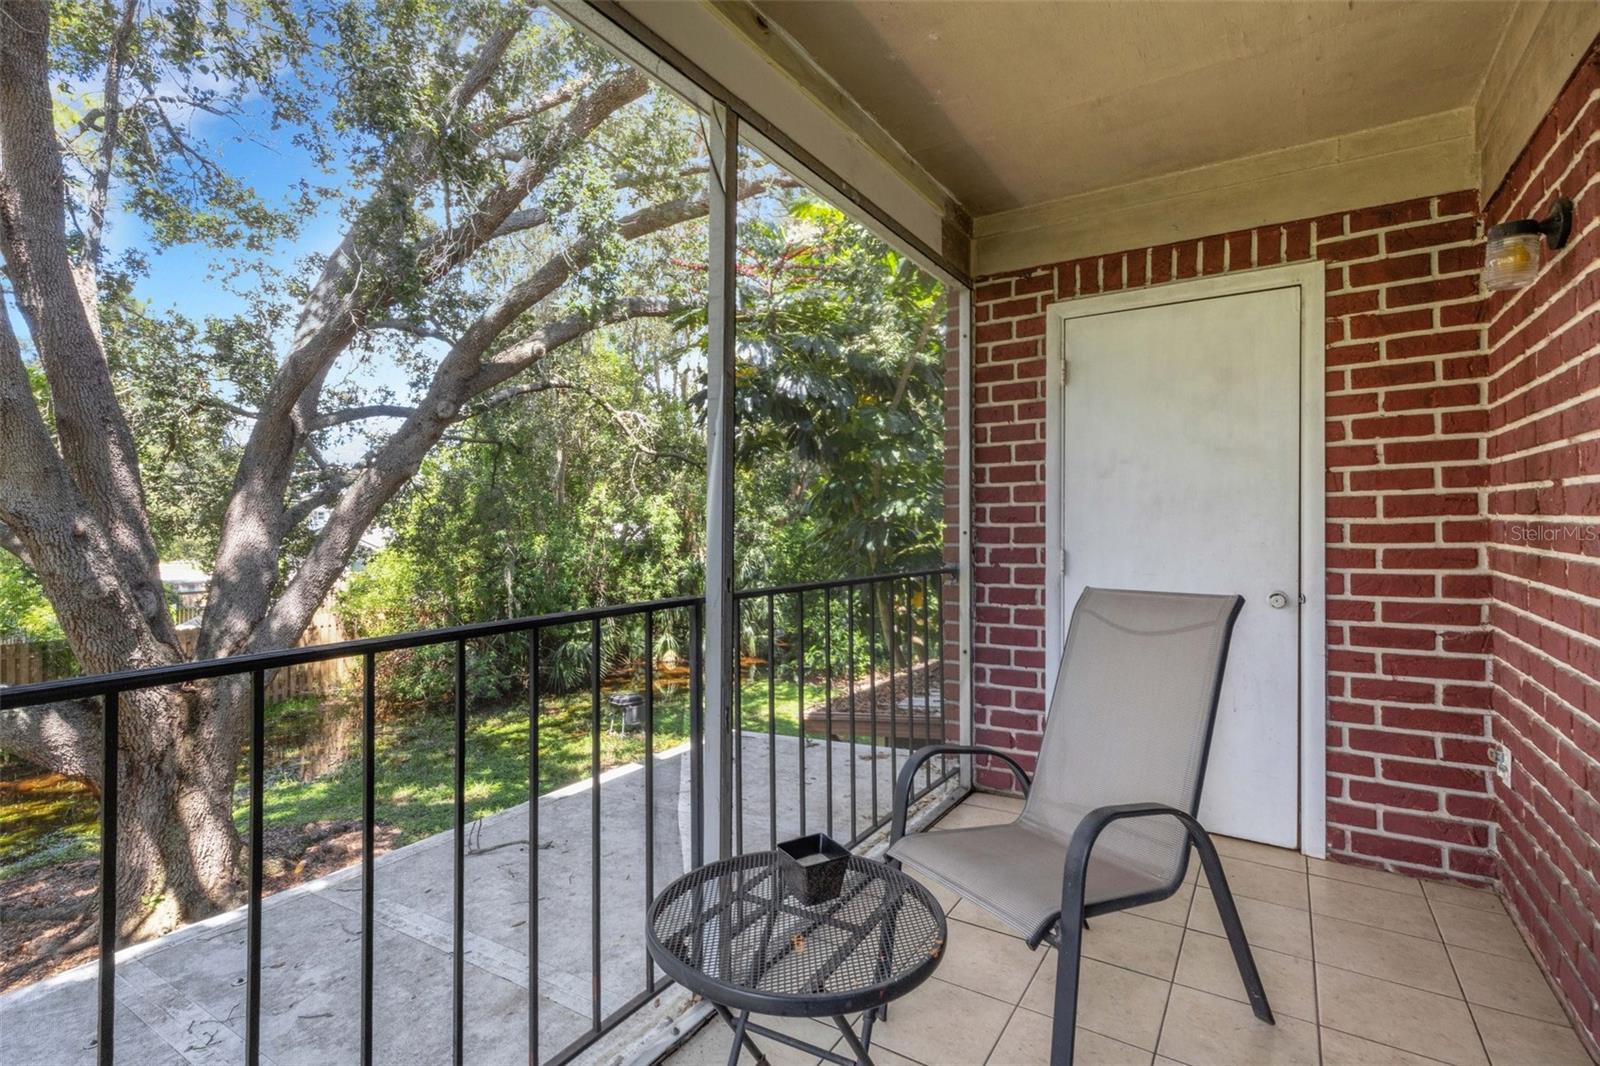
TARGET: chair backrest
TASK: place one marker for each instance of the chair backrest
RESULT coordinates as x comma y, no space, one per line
1130,719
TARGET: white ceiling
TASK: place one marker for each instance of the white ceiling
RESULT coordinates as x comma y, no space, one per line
1011,104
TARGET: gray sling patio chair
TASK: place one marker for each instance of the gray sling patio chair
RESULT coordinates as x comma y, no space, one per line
1110,813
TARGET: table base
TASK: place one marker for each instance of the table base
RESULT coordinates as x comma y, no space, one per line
743,1027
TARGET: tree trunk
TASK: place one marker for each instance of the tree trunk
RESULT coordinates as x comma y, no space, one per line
179,855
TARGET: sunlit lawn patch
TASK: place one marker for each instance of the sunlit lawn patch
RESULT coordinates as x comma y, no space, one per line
314,775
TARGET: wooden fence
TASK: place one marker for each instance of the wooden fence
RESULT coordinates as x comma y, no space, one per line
23,663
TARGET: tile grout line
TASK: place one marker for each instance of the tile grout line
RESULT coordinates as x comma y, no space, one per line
1476,1028
1316,989
1316,983
1172,982
1014,1008
1390,1047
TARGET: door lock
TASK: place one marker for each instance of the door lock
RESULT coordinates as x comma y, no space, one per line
1278,600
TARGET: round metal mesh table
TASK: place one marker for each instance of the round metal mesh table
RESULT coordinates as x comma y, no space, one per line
733,932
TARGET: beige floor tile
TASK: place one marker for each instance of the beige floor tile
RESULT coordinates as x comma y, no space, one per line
709,1047
1134,942
1174,910
1411,1019
1480,899
1026,1042
1113,1002
1206,963
995,801
1287,888
1342,1049
1480,930
1408,960
1513,1040
973,914
943,1023
1362,875
969,815
1515,985
985,961
1267,925
1283,858
1395,911
1202,1030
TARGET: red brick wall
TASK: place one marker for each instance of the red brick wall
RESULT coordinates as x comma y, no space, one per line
1543,397
1408,643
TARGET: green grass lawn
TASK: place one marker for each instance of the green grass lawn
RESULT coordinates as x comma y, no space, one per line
414,792
56,820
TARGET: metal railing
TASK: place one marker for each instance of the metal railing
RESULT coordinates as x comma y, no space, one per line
888,613
869,604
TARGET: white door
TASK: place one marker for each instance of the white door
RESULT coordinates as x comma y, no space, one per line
1180,442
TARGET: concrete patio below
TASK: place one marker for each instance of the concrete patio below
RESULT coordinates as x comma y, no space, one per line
181,998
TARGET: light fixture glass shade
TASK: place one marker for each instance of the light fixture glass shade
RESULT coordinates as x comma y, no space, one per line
1511,261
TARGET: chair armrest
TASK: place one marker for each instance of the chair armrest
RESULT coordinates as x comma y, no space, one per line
1075,876
902,786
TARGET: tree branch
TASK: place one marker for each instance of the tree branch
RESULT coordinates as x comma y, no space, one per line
329,419
416,329
58,303
456,244
10,542
111,102
461,375
56,530
64,737
340,301
322,497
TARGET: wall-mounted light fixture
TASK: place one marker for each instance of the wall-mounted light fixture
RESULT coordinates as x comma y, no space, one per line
1512,259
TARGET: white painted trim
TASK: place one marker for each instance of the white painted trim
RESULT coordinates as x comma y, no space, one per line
722,749
1423,156
1308,278
706,38
964,560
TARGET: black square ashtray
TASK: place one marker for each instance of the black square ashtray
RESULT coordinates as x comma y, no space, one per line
813,867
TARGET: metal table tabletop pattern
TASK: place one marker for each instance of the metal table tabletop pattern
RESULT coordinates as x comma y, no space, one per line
734,933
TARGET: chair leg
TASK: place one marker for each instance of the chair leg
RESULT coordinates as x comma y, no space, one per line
1235,929
1065,1027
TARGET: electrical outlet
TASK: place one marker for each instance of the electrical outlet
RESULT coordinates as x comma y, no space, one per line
1502,763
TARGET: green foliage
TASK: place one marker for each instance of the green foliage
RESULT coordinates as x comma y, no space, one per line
25,614
840,380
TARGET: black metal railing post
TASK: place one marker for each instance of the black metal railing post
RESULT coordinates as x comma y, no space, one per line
649,782
772,724
736,724
872,686
105,1050
927,682
850,681
827,714
894,696
533,847
800,698
594,824
258,734
369,818
458,934
697,802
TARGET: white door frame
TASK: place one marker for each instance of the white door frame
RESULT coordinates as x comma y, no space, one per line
1308,278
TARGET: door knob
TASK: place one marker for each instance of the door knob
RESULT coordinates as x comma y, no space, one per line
1278,600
